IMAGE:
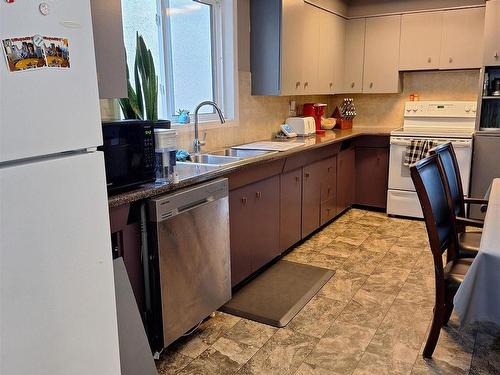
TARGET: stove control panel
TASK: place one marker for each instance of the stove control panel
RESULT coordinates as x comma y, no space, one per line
459,109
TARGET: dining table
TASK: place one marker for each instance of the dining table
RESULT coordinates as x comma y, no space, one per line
478,297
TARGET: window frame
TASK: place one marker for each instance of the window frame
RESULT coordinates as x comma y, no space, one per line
221,90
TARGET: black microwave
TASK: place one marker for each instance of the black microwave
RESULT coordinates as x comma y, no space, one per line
129,153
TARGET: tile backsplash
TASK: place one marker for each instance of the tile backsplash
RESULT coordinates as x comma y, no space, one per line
260,117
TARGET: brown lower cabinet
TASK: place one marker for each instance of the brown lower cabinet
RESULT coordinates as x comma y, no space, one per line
372,173
254,220
290,208
311,198
328,209
346,178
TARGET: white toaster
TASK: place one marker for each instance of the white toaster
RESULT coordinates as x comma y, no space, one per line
303,126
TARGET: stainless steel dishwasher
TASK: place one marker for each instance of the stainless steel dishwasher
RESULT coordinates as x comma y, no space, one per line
189,274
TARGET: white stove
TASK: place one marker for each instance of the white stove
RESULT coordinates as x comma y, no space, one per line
441,122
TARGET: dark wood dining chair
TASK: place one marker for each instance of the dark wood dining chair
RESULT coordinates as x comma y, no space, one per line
468,241
435,198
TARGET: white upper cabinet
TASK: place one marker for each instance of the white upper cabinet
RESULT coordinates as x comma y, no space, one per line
326,74
492,33
307,53
292,40
331,43
338,40
462,40
381,67
420,41
354,53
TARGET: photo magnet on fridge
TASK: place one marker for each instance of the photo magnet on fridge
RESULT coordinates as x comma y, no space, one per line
23,54
56,52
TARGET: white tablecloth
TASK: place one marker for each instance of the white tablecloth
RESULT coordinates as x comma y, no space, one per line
478,298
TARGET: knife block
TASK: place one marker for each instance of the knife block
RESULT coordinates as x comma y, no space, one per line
342,123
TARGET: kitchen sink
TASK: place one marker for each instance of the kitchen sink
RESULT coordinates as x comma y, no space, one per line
188,170
214,159
242,153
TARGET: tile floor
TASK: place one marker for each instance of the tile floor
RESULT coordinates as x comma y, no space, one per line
371,318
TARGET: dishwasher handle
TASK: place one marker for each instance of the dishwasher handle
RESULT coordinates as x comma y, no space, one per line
167,206
194,205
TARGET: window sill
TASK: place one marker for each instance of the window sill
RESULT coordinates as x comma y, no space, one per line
205,125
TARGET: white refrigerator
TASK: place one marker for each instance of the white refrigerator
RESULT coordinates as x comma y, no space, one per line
57,297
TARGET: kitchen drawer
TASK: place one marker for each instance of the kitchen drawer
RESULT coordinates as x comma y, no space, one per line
328,210
402,203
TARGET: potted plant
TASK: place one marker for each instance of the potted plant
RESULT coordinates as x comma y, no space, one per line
183,116
142,101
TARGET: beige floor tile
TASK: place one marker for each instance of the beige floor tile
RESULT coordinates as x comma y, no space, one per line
282,354
363,262
367,309
340,349
316,317
380,243
251,333
371,364
343,286
339,249
171,362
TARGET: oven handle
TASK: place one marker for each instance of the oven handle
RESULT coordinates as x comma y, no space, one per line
462,143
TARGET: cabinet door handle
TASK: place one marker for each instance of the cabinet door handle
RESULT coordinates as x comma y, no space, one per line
331,84
244,200
307,175
329,169
258,194
297,84
450,60
495,55
306,84
371,85
429,60
352,85
297,179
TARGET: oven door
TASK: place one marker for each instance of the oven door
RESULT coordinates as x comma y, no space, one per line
399,174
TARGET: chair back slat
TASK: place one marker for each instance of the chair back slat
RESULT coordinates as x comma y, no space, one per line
433,193
452,172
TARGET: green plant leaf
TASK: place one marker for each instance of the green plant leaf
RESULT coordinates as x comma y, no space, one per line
138,86
129,104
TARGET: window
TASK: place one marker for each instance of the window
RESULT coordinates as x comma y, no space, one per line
194,59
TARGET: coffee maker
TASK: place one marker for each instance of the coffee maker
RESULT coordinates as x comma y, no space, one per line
316,110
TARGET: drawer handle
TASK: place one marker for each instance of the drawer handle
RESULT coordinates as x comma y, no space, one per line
244,200
258,194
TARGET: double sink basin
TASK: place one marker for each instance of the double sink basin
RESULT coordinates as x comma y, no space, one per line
206,163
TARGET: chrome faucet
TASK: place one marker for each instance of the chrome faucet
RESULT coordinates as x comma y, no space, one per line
197,143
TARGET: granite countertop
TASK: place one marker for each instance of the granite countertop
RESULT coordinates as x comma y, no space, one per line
330,137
